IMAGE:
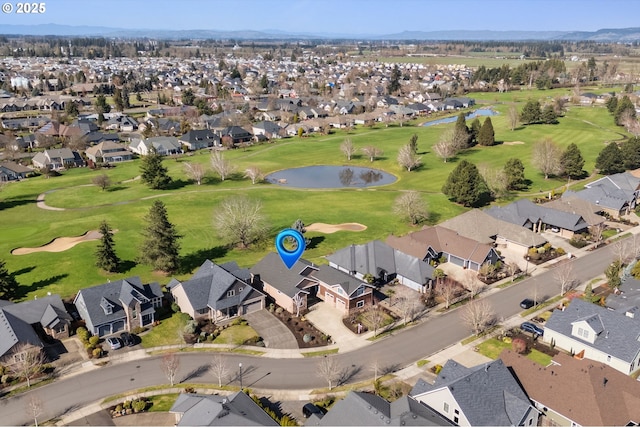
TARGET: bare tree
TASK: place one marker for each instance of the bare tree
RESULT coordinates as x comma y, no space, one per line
195,171
170,365
347,148
630,122
513,116
622,250
28,362
330,370
411,207
471,282
298,303
448,145
375,317
372,152
596,233
221,166
446,289
407,158
407,307
496,179
240,220
219,368
254,174
477,315
34,408
103,181
512,269
565,276
546,156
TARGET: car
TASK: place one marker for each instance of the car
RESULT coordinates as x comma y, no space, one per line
127,339
309,408
555,229
527,303
114,343
530,327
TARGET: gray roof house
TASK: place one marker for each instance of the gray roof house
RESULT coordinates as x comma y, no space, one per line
56,158
366,409
615,194
627,297
484,395
237,409
215,292
10,171
342,290
163,145
269,129
120,305
108,152
384,263
197,139
593,332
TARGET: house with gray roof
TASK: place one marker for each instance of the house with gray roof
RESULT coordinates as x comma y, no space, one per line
384,263
484,395
11,171
57,158
163,145
366,409
627,296
237,409
269,129
120,305
593,332
341,290
197,139
214,292
615,194
108,152
30,322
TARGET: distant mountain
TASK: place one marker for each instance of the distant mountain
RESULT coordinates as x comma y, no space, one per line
603,35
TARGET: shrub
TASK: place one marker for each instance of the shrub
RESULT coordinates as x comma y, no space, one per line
96,352
83,333
532,251
189,390
3,370
119,408
279,310
272,307
139,405
138,330
506,340
420,363
560,251
94,340
519,345
437,369
190,327
577,242
126,404
542,250
175,307
306,338
5,379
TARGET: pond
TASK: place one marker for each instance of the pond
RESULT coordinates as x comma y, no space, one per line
330,177
478,113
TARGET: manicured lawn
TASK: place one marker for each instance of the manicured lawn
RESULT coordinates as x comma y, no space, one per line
492,348
162,402
166,333
237,334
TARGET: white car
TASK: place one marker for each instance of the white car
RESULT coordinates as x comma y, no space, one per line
555,229
114,343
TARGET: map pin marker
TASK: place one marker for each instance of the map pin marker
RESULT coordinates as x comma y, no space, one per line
290,257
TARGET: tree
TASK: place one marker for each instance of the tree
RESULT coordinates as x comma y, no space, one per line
408,159
170,365
471,283
106,257
375,317
298,303
347,148
612,274
407,308
448,146
531,113
477,315
461,131
153,173
188,97
34,408
101,105
475,130
514,174
160,247
612,104
496,180
624,105
513,117
610,160
240,220
372,152
103,181
394,81
413,142
329,369
549,115
447,290
8,283
71,109
466,186
221,166
27,362
486,136
195,171
565,277
571,161
118,99
546,157
219,368
411,207
254,173
630,149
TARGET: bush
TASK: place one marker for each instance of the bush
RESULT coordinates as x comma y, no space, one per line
139,405
279,310
4,379
560,251
83,333
437,369
119,408
175,307
138,330
306,338
506,340
519,345
190,327
94,340
578,242
96,352
126,404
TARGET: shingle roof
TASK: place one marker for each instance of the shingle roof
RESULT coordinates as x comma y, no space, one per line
523,211
628,298
578,206
13,331
272,270
332,276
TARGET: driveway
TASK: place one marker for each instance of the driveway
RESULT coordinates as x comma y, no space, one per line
328,320
274,333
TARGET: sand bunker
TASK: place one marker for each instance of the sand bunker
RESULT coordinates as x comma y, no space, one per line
332,228
60,244
513,143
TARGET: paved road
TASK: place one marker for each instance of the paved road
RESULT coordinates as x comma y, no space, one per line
394,352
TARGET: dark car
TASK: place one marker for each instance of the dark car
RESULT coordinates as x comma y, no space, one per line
127,339
530,327
309,408
527,303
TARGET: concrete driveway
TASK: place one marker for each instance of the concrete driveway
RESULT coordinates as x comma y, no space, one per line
328,320
274,333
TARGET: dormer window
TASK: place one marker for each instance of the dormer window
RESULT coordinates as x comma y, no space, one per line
106,306
231,293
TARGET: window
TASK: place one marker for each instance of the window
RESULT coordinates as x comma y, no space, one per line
446,407
583,333
608,358
455,420
240,290
231,293
455,411
530,421
360,304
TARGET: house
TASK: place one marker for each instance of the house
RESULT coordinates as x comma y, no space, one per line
217,292
11,171
122,124
600,395
341,290
434,243
163,145
57,158
237,409
120,305
615,194
30,322
366,409
626,297
269,129
235,135
593,332
108,152
199,139
384,263
527,214
484,395
575,205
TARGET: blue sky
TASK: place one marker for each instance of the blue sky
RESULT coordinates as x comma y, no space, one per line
343,17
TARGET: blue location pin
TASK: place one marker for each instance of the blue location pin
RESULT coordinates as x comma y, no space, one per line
290,257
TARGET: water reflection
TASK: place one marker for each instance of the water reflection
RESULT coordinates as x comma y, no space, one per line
330,177
346,177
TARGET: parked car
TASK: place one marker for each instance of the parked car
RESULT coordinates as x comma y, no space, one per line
555,229
530,327
127,339
527,303
309,408
114,343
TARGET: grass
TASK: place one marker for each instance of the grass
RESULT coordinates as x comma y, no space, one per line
320,353
237,334
388,332
422,362
166,333
492,348
162,402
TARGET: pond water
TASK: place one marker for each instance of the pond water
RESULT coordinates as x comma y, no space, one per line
330,177
478,113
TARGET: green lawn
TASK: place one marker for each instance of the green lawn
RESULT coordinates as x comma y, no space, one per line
190,207
492,348
166,333
162,402
237,334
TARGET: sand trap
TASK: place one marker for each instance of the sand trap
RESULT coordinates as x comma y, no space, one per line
332,228
513,143
60,244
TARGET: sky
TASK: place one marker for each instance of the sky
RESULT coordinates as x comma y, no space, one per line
337,16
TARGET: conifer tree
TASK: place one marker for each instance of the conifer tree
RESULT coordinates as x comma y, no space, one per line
160,247
106,257
8,283
153,173
486,136
466,186
572,161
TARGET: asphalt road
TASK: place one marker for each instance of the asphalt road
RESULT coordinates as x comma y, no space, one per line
393,352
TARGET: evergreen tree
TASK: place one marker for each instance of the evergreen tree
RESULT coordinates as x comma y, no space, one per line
609,160
531,113
188,97
549,115
118,100
413,143
612,104
486,136
466,186
572,161
153,173
475,131
160,247
8,283
394,81
514,173
106,257
631,153
624,105
462,131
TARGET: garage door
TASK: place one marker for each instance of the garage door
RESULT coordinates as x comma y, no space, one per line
251,307
118,326
457,261
104,330
341,305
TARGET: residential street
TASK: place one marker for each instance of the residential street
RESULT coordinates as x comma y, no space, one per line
292,374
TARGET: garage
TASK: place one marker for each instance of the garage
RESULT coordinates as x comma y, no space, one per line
117,326
104,330
251,307
341,305
457,261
